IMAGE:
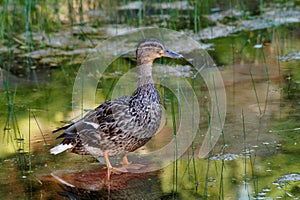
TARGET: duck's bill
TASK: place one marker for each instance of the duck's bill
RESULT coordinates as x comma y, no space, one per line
171,54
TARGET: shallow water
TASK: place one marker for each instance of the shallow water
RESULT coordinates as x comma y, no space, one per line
256,157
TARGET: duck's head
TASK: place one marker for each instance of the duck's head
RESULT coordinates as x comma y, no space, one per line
149,49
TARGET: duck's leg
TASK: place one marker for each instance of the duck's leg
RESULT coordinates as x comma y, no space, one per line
126,165
109,167
125,161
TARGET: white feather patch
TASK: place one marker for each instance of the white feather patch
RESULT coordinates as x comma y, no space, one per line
60,148
93,124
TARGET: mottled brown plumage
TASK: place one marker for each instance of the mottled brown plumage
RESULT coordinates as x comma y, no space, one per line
122,125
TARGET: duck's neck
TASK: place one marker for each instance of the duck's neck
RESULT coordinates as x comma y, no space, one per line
144,72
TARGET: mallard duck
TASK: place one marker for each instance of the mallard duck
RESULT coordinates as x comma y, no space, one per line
121,125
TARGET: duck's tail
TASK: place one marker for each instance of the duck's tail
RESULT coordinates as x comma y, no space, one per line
62,128
68,142
60,148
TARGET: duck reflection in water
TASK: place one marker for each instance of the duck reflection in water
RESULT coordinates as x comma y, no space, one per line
90,185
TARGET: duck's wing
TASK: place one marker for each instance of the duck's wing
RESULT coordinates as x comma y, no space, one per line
104,116
107,119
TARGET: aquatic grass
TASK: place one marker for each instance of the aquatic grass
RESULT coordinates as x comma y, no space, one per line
268,80
191,160
196,180
261,5
262,110
70,11
27,166
80,11
10,107
175,167
175,114
140,16
39,127
205,189
186,172
255,92
245,150
233,55
252,161
17,139
11,128
29,138
175,23
254,175
169,98
279,71
4,25
221,186
196,17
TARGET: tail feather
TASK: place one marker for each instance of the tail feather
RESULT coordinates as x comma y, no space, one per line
68,142
60,148
68,136
63,128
